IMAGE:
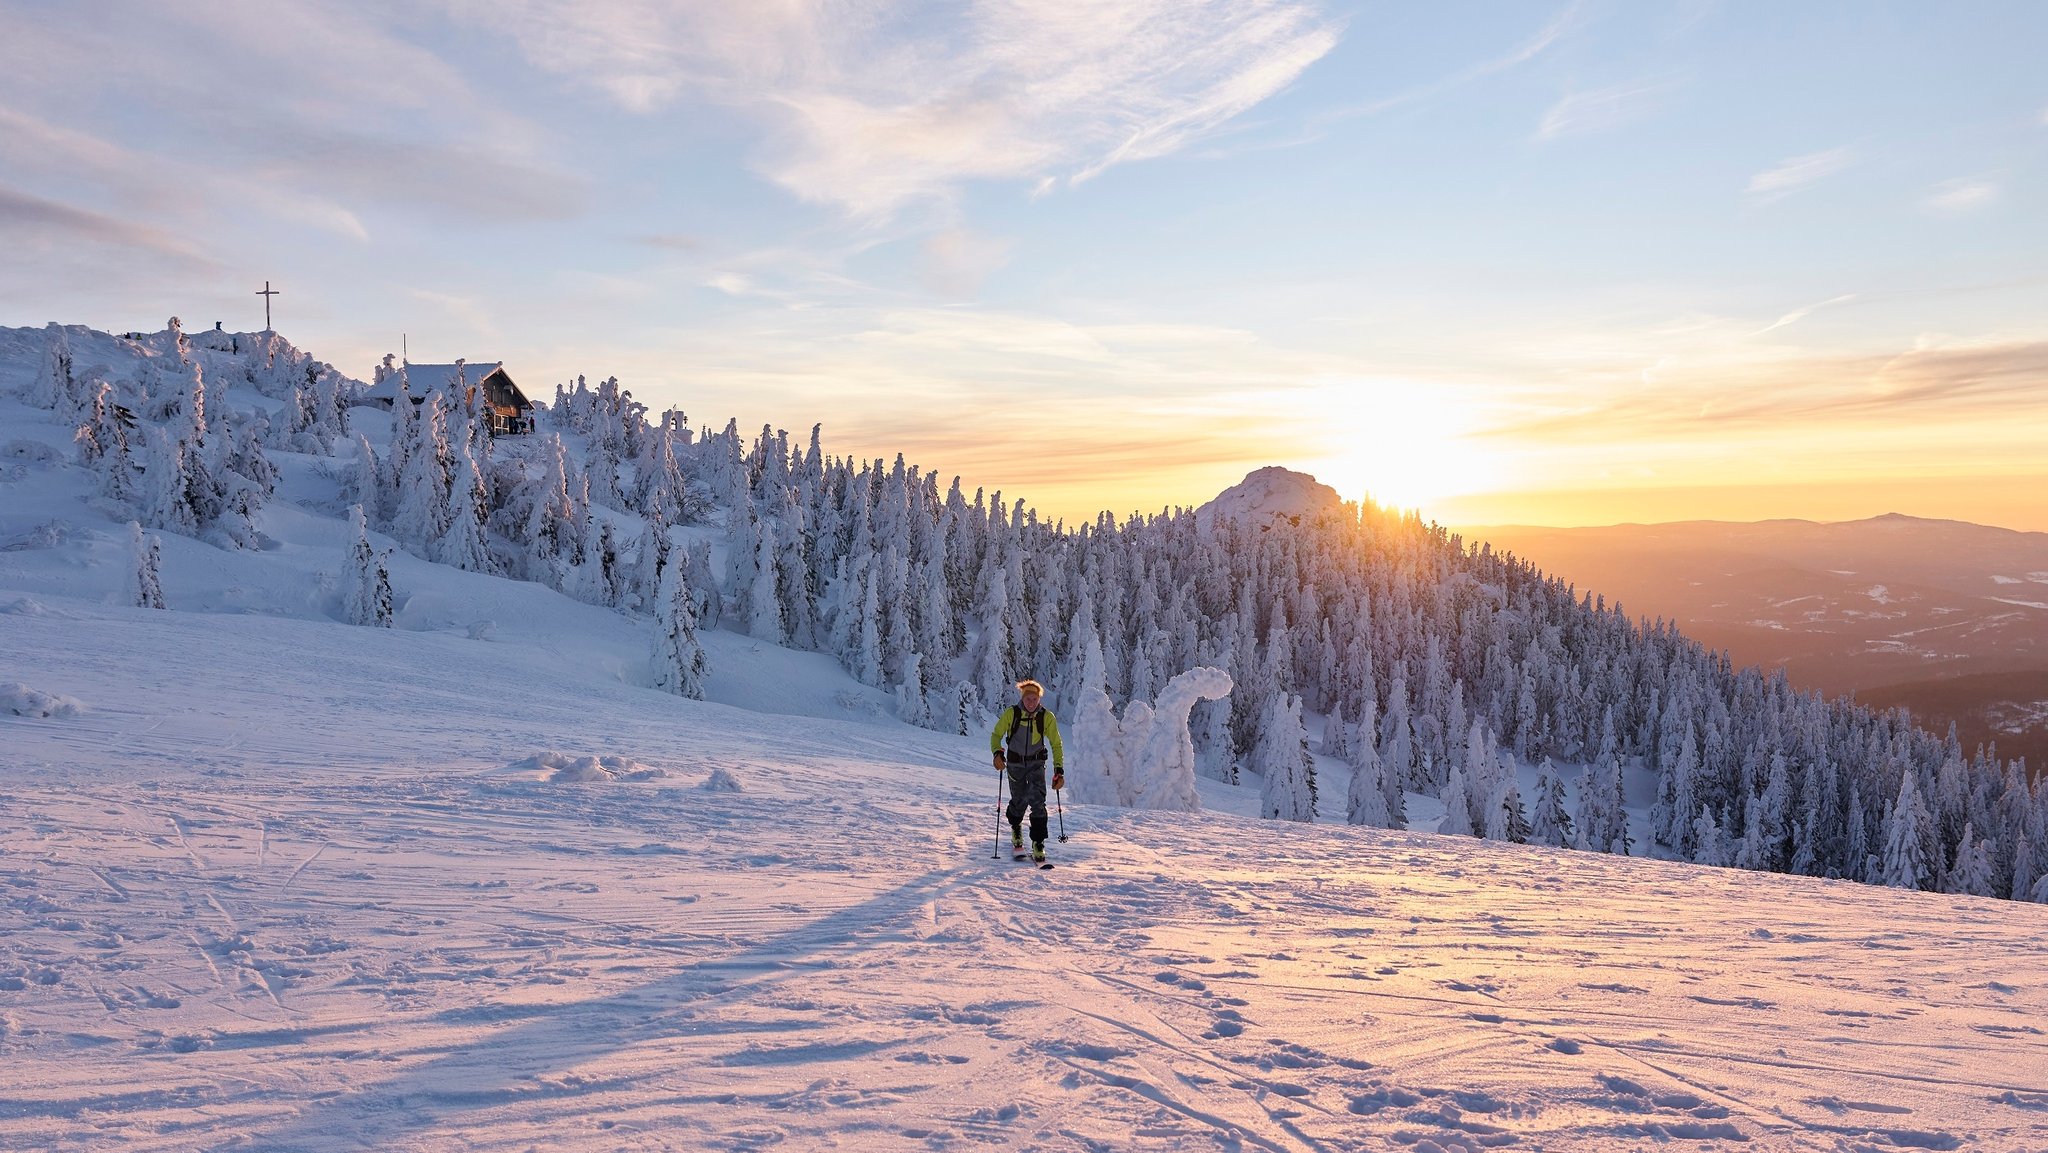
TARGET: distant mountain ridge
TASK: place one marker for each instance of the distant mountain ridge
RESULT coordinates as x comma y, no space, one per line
1945,617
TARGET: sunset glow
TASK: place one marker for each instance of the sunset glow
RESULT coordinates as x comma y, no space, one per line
1559,264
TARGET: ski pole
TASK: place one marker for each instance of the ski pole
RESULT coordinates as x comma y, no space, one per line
1063,814
998,854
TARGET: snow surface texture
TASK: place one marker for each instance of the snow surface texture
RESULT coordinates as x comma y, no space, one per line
295,885
354,929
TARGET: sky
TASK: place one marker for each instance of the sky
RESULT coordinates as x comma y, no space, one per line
1542,263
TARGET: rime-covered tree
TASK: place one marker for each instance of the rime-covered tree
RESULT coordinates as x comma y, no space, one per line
463,543
148,565
366,585
1163,773
679,663
1905,856
1457,807
1507,818
1551,822
1286,775
1365,802
1971,874
1096,771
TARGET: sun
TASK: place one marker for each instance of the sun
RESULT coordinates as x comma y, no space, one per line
1401,444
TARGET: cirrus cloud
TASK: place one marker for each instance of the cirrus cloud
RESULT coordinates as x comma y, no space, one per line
877,108
1789,176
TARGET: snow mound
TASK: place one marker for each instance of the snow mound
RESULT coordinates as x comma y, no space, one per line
721,781
1271,494
23,701
32,451
560,768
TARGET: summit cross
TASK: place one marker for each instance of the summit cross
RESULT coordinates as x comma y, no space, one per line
266,294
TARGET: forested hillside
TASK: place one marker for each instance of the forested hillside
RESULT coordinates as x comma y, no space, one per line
1435,665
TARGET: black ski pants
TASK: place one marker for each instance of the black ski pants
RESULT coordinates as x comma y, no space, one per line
1027,789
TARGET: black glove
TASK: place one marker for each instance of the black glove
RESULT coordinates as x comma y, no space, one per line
999,762
1059,778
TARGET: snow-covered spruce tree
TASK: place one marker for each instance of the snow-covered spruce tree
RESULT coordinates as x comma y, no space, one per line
764,608
1711,846
1365,802
52,383
147,555
1457,807
423,512
1164,774
679,663
464,542
911,706
103,443
1334,735
1971,874
1096,773
988,653
1507,821
366,586
1551,823
1905,860
1285,782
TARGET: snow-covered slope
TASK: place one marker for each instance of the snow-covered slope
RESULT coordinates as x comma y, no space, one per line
1271,494
270,881
330,901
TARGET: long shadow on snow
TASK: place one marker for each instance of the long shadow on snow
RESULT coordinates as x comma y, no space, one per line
502,1069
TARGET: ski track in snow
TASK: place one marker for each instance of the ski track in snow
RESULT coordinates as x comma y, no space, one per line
318,911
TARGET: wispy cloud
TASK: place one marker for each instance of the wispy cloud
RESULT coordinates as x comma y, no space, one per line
878,107
1600,109
1799,314
299,109
1906,389
1791,175
1961,195
1518,56
35,222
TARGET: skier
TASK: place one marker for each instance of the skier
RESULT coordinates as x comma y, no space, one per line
1019,742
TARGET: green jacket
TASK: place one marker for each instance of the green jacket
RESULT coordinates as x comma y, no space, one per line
1048,726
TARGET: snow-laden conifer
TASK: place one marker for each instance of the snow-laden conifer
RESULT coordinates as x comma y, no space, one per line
1710,847
680,666
463,543
1365,801
1163,774
1550,823
1457,807
366,586
148,566
1507,818
1095,768
1286,787
1971,873
1335,742
1905,861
